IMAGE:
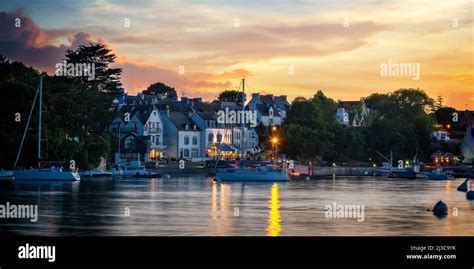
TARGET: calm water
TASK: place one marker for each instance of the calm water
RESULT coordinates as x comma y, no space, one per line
197,206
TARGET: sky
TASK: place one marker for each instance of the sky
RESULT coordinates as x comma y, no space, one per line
291,48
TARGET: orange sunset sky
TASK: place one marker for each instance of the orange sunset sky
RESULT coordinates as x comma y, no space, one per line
334,46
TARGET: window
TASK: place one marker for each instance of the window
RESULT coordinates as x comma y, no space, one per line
194,153
195,140
186,140
219,138
130,143
211,138
154,113
186,153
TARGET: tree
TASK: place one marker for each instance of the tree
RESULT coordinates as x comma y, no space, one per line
105,79
439,102
161,88
403,126
74,120
231,96
306,131
444,115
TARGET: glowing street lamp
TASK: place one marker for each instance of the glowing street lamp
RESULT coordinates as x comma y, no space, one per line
275,140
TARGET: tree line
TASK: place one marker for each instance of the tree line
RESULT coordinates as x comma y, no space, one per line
401,122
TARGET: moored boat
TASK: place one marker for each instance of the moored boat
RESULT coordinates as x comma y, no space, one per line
148,175
264,173
95,173
5,174
134,169
46,170
46,174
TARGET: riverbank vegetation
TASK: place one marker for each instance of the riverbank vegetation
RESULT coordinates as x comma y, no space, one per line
401,122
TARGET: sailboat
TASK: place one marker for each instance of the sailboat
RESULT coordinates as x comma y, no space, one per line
266,173
53,173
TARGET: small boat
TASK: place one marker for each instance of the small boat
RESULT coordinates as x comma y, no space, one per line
403,174
134,169
5,174
95,173
263,173
46,174
148,175
438,174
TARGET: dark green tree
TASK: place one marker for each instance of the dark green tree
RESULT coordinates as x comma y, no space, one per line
106,79
161,88
231,96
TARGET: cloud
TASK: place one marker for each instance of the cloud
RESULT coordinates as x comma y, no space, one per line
33,46
137,77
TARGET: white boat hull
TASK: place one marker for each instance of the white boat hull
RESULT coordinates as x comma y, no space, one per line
45,175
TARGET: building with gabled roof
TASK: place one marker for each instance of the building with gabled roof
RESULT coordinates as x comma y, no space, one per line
271,110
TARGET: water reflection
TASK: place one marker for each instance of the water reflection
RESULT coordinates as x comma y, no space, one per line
220,208
274,227
197,206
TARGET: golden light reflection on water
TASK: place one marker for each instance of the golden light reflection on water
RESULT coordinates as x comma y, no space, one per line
220,208
274,227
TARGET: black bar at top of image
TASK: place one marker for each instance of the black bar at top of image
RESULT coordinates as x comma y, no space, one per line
237,250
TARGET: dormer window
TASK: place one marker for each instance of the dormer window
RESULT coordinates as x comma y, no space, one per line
194,128
270,111
186,127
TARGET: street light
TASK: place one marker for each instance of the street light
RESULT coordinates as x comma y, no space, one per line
275,140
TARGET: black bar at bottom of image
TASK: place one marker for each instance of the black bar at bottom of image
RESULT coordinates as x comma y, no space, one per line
238,250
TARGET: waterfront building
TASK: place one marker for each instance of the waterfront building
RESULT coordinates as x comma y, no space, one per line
140,132
151,127
182,136
271,110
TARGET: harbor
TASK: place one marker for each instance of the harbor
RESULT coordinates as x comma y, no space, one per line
196,205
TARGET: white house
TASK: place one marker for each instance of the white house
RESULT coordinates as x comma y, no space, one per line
182,136
145,123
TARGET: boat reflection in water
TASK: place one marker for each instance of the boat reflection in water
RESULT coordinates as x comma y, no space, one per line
274,227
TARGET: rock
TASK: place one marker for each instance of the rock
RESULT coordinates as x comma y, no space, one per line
463,186
470,195
440,209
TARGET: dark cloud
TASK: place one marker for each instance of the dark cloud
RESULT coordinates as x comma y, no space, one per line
31,45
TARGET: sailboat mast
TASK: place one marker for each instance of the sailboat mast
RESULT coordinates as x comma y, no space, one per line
242,117
39,120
